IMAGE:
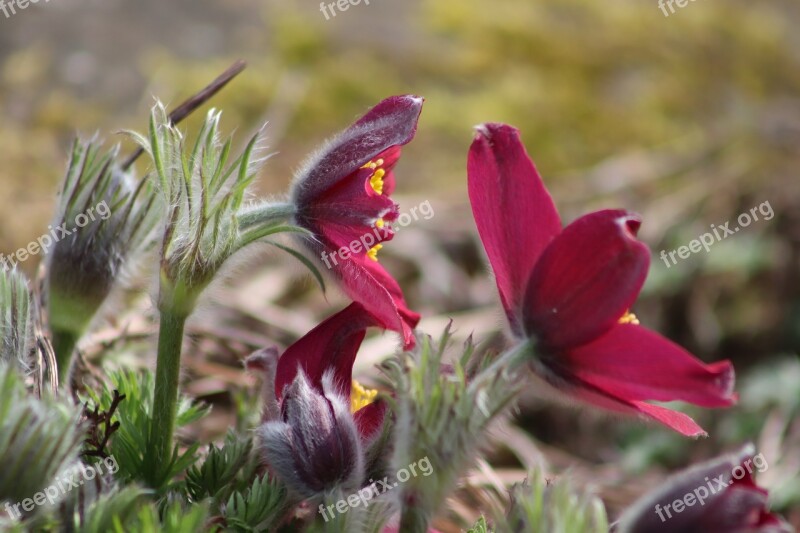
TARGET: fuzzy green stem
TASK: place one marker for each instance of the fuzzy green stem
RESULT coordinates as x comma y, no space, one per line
504,365
64,342
165,399
265,214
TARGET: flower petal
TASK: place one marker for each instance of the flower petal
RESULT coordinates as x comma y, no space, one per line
393,122
585,280
333,344
369,419
515,214
573,387
368,283
637,364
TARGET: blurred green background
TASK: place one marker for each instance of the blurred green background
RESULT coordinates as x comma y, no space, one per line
689,119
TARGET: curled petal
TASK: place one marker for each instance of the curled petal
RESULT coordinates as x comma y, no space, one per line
637,364
585,280
393,122
333,344
515,214
369,419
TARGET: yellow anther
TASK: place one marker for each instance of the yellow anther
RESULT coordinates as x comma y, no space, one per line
379,162
361,397
379,223
370,164
373,252
629,318
376,180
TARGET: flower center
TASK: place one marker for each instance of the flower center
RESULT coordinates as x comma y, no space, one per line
629,318
361,397
373,252
376,179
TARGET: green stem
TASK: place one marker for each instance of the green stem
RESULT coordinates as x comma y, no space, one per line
265,215
64,343
504,365
165,399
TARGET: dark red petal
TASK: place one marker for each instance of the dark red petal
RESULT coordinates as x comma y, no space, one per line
714,501
514,213
367,282
369,419
634,363
393,122
352,203
590,394
585,280
332,344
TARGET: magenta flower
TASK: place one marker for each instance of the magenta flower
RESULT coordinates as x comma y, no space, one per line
569,291
331,347
718,496
317,420
343,196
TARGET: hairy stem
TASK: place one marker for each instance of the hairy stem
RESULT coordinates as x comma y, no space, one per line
64,342
162,423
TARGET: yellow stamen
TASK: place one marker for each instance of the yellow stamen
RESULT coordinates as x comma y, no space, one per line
361,397
373,252
629,318
379,223
376,180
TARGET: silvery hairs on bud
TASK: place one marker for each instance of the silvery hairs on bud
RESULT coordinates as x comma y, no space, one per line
117,216
16,320
315,447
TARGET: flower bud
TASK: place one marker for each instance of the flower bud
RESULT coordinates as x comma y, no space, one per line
719,495
315,446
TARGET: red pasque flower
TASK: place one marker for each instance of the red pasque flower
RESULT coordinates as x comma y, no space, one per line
718,496
331,347
342,196
569,291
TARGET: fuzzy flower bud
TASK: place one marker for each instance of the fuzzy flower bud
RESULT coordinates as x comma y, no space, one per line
204,194
104,217
717,496
315,446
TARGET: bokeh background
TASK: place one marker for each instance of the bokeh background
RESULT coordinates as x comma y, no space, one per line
689,119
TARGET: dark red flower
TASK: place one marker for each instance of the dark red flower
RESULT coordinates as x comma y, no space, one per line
343,197
569,292
317,420
718,496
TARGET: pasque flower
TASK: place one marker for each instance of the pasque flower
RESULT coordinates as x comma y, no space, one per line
568,291
718,496
317,420
343,197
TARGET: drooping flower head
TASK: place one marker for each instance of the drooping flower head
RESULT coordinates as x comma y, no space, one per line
718,496
568,292
317,420
343,197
